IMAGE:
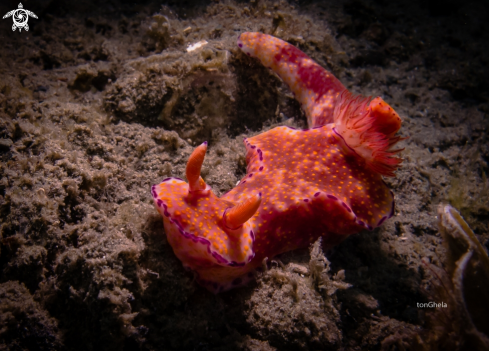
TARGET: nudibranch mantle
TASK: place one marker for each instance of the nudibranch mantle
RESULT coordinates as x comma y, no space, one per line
300,184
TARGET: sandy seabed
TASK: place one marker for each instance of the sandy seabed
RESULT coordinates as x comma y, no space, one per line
98,101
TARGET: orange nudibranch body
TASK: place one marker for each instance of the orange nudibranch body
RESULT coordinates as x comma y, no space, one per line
300,184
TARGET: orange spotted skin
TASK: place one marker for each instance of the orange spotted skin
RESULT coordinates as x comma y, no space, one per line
300,184
311,185
196,231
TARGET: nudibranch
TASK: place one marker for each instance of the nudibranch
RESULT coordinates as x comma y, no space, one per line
300,184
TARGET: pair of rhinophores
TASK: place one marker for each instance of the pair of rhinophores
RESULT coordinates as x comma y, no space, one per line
300,184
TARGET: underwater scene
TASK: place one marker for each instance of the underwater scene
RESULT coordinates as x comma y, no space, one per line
244,175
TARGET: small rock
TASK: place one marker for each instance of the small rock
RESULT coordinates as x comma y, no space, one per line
5,144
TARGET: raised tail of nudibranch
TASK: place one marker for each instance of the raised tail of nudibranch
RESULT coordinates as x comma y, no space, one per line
369,127
313,86
211,236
